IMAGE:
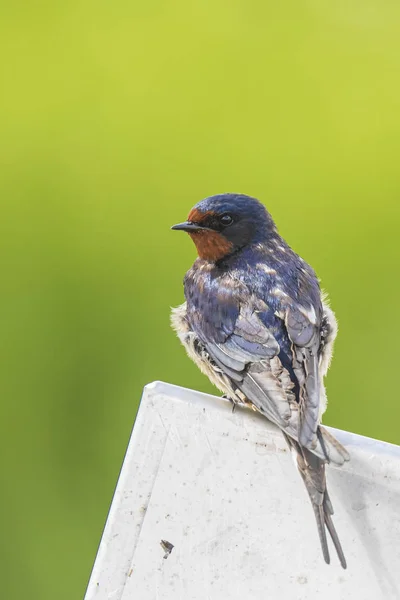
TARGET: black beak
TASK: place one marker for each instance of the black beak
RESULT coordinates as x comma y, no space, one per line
188,226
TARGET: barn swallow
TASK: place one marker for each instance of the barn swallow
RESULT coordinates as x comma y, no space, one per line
257,324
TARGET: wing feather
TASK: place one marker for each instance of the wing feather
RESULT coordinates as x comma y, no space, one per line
248,351
246,356
303,328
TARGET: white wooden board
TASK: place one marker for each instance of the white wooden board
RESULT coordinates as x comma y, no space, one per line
222,488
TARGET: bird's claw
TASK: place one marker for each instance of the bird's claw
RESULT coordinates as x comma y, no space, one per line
233,402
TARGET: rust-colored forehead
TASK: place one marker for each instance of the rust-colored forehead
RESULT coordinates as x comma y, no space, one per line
196,216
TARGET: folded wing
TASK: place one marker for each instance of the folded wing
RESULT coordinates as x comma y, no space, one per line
251,357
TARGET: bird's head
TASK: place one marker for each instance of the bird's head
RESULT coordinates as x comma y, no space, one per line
223,224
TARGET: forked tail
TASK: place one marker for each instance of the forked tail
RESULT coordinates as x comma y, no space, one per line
312,471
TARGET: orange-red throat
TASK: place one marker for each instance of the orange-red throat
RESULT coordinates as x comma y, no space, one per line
211,245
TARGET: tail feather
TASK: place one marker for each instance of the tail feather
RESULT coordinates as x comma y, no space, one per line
335,539
312,471
328,503
320,519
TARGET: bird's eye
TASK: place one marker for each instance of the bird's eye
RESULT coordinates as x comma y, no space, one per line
226,220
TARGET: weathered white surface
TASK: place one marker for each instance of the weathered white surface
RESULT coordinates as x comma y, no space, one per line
222,488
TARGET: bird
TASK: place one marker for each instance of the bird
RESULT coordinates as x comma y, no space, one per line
257,323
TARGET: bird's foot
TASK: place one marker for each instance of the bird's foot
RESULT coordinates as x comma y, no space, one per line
233,402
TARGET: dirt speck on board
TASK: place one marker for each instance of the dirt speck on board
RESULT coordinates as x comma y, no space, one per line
167,547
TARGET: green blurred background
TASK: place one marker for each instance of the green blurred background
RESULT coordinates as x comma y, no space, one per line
115,119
